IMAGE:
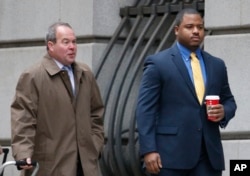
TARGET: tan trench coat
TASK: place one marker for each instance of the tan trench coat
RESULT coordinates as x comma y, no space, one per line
50,125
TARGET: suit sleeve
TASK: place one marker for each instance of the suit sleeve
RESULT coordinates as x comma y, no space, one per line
227,99
147,106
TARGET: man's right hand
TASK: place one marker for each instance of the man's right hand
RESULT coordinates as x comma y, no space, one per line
28,166
153,162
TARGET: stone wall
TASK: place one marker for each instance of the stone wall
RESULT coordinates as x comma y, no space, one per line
229,20
23,25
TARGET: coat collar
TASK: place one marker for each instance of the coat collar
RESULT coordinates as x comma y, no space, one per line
52,68
50,65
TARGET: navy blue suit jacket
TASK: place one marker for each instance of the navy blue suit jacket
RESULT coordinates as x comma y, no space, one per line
170,119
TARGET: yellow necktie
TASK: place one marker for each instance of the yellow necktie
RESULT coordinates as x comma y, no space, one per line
197,76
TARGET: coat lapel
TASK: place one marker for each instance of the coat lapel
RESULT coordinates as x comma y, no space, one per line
64,76
53,69
78,76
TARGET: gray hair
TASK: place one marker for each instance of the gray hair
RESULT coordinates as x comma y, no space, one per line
51,35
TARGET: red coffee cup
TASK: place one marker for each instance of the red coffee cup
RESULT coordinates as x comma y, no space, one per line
211,100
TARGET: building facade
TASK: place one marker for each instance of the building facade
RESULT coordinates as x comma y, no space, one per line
23,25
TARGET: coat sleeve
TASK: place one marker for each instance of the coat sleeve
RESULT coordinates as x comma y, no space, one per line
23,118
97,112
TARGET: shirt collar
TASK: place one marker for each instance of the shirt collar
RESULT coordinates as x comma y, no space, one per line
186,52
59,64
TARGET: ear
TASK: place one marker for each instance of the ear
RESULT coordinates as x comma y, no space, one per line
50,45
176,29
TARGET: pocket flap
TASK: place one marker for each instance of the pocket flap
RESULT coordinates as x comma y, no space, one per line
166,130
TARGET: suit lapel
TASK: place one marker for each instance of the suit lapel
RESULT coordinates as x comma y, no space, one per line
180,65
209,70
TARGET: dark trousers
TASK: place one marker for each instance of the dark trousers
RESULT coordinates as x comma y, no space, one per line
79,171
203,168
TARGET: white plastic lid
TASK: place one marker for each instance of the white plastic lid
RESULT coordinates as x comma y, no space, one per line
212,97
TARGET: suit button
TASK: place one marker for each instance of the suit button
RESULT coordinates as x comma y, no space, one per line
199,129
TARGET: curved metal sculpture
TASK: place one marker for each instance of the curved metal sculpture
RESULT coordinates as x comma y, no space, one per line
144,29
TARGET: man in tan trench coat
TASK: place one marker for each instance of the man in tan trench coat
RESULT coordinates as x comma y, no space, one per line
56,118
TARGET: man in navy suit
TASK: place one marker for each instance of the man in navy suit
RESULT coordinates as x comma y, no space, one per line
176,138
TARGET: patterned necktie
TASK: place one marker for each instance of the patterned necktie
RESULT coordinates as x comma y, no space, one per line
197,76
71,76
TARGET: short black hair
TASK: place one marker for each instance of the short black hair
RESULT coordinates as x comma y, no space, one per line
179,16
